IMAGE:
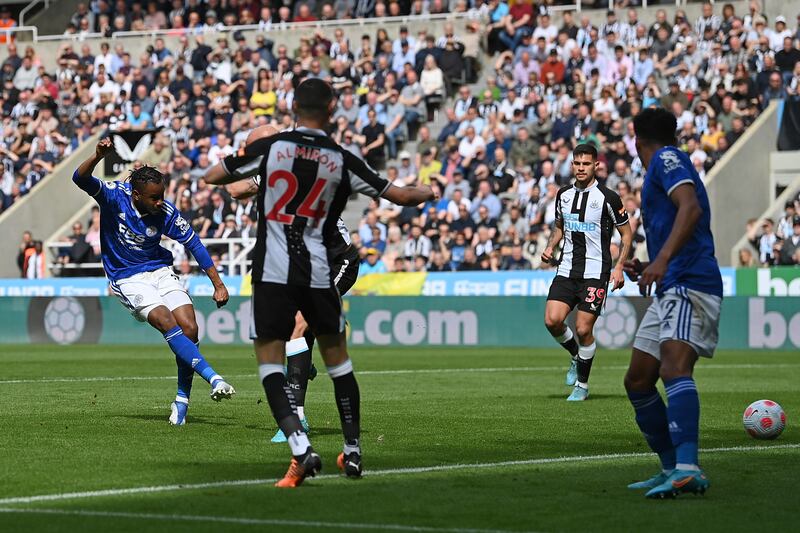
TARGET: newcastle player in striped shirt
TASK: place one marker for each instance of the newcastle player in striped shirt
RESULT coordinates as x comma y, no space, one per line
344,260
586,214
306,181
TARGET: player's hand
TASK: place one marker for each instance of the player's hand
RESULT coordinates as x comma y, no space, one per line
547,255
633,268
104,148
220,295
654,273
617,279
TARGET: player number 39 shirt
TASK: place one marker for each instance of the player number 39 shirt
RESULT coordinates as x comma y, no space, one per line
588,217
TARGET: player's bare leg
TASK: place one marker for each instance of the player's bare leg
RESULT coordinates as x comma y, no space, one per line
185,349
270,355
348,400
298,369
584,327
651,413
683,414
555,316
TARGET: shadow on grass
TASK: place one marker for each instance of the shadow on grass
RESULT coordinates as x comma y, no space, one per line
591,396
216,421
315,431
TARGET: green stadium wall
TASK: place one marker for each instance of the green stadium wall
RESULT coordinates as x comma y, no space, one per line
746,323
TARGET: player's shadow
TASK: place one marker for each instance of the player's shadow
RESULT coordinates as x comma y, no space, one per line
314,431
194,420
591,396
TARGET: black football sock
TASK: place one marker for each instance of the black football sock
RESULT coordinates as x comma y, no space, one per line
348,400
585,358
310,342
281,402
567,340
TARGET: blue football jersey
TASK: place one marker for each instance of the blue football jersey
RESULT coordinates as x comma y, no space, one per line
694,266
130,241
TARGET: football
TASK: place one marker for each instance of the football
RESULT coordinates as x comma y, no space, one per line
764,419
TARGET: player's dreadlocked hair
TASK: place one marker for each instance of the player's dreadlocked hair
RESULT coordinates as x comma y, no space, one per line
145,174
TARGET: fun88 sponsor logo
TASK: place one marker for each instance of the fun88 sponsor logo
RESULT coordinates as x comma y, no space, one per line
127,236
573,223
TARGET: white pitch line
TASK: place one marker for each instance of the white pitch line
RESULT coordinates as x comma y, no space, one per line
247,521
395,372
377,473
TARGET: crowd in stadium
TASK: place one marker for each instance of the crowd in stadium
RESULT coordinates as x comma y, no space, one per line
497,151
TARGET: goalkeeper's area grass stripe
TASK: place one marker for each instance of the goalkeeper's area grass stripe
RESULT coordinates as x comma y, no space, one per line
700,368
576,459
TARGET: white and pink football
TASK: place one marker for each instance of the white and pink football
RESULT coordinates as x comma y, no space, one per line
764,420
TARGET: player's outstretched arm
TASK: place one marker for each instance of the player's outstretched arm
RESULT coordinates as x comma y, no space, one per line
217,175
83,174
409,196
178,229
240,190
242,165
689,212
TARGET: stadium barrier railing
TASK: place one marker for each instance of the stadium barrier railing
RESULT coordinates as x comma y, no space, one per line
25,10
354,27
233,256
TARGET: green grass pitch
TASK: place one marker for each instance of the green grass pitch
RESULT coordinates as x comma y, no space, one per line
487,436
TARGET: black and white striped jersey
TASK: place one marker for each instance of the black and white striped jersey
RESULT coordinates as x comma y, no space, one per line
337,240
588,217
307,179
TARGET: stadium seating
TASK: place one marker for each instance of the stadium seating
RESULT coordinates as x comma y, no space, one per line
485,110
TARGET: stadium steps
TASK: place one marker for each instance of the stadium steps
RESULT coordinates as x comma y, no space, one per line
42,211
774,211
784,168
54,19
738,185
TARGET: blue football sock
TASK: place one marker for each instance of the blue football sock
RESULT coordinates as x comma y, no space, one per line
651,416
185,375
683,412
188,353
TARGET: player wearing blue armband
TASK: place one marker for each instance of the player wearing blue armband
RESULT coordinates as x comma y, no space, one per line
133,217
682,323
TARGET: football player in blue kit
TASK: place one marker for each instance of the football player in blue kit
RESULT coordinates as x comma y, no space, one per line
682,323
133,217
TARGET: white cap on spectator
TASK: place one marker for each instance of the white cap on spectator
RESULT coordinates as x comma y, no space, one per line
404,155
780,18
